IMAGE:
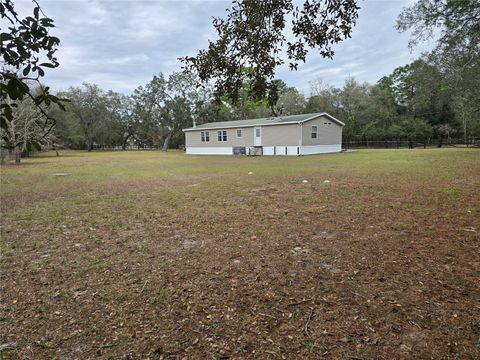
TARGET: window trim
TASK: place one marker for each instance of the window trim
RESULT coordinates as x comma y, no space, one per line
204,136
222,135
239,133
314,132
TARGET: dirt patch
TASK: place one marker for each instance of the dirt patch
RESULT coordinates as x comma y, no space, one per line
382,263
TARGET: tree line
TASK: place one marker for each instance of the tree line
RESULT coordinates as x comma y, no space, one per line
435,97
416,102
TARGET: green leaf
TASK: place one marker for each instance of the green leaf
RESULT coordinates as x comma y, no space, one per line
5,118
12,89
26,70
36,145
5,37
22,52
7,112
52,66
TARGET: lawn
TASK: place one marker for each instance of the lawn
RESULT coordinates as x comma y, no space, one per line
135,255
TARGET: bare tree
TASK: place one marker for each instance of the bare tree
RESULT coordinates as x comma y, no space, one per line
27,129
173,103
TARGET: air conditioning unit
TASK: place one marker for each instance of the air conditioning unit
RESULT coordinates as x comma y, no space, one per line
255,150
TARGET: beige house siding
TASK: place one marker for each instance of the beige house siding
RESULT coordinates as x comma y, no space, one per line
281,135
326,134
329,132
193,138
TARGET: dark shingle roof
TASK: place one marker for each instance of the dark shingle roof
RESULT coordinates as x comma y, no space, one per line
263,121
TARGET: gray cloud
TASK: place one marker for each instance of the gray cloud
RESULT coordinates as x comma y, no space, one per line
119,45
374,50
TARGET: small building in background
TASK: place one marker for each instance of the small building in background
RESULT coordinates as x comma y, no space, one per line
294,135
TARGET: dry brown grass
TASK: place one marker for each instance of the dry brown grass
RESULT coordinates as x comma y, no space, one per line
150,255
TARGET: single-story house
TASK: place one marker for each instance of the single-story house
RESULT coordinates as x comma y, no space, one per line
284,135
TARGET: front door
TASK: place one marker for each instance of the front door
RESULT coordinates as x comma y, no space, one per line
257,136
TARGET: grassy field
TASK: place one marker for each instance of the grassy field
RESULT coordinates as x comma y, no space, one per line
136,255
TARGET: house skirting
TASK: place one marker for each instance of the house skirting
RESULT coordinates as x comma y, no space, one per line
269,150
200,150
321,149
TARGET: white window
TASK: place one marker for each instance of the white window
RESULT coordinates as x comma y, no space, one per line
222,135
239,133
205,136
314,131
258,132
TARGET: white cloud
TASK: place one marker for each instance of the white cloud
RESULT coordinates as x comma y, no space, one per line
119,45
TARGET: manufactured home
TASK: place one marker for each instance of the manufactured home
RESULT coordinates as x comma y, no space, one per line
284,135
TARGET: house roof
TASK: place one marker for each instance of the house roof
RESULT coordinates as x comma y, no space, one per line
292,119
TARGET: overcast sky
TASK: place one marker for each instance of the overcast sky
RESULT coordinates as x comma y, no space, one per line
120,45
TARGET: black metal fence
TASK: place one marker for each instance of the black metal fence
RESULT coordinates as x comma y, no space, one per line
128,147
398,144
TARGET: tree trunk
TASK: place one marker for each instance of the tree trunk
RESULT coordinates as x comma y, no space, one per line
464,125
167,141
124,145
17,153
89,144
